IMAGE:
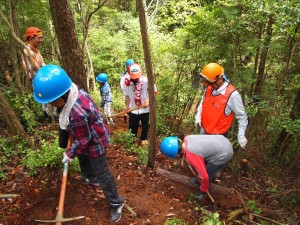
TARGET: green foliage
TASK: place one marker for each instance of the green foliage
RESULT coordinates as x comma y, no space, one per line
126,139
253,207
25,106
291,126
212,219
11,148
175,221
114,38
47,155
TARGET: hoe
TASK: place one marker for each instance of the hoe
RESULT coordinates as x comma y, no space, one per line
59,217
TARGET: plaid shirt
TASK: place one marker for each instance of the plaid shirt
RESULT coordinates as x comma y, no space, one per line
91,136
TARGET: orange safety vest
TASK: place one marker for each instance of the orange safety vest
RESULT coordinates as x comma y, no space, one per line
214,120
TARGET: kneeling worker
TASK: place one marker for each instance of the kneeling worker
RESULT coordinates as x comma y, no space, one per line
207,154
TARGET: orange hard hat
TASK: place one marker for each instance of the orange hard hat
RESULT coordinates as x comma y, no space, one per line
212,71
135,71
32,31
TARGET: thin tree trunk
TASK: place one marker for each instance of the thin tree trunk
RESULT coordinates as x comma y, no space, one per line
292,47
150,75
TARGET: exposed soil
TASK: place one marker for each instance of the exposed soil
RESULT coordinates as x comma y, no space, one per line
153,197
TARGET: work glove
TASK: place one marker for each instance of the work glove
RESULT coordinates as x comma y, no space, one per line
66,159
200,195
243,142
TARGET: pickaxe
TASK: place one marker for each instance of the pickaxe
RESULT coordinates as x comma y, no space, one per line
59,217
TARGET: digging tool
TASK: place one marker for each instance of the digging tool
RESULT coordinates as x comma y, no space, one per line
59,217
125,112
195,174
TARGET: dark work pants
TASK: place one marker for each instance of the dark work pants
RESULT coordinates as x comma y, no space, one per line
211,170
134,121
97,167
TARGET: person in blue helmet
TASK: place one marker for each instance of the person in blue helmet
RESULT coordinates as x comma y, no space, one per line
207,154
106,96
80,117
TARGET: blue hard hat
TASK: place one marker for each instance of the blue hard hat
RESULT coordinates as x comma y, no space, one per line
129,62
169,146
102,77
50,82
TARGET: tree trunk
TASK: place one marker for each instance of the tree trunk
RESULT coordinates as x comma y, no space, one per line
13,43
72,57
263,58
11,118
149,69
284,137
261,73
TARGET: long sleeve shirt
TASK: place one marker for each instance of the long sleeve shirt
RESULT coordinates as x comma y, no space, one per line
202,149
234,104
91,136
106,95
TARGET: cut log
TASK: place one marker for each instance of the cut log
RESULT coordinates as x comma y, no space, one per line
185,180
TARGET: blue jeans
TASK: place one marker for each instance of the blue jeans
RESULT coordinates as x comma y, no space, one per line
97,167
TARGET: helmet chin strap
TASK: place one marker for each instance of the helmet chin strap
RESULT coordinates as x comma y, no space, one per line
218,85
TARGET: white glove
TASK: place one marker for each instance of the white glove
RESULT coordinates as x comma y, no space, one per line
66,159
243,142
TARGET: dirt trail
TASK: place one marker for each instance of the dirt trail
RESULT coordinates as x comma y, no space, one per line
153,197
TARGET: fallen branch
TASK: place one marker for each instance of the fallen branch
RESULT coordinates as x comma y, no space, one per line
243,202
131,210
232,215
283,193
8,195
239,222
268,219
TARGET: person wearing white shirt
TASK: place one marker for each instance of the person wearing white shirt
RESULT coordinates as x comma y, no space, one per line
137,95
219,104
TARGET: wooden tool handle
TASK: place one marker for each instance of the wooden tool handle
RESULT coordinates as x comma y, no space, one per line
125,112
196,175
62,196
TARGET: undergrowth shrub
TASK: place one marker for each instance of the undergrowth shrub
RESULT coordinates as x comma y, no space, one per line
126,139
175,221
47,155
8,152
25,106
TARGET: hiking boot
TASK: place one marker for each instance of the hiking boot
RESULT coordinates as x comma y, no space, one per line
116,211
85,181
200,195
195,181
